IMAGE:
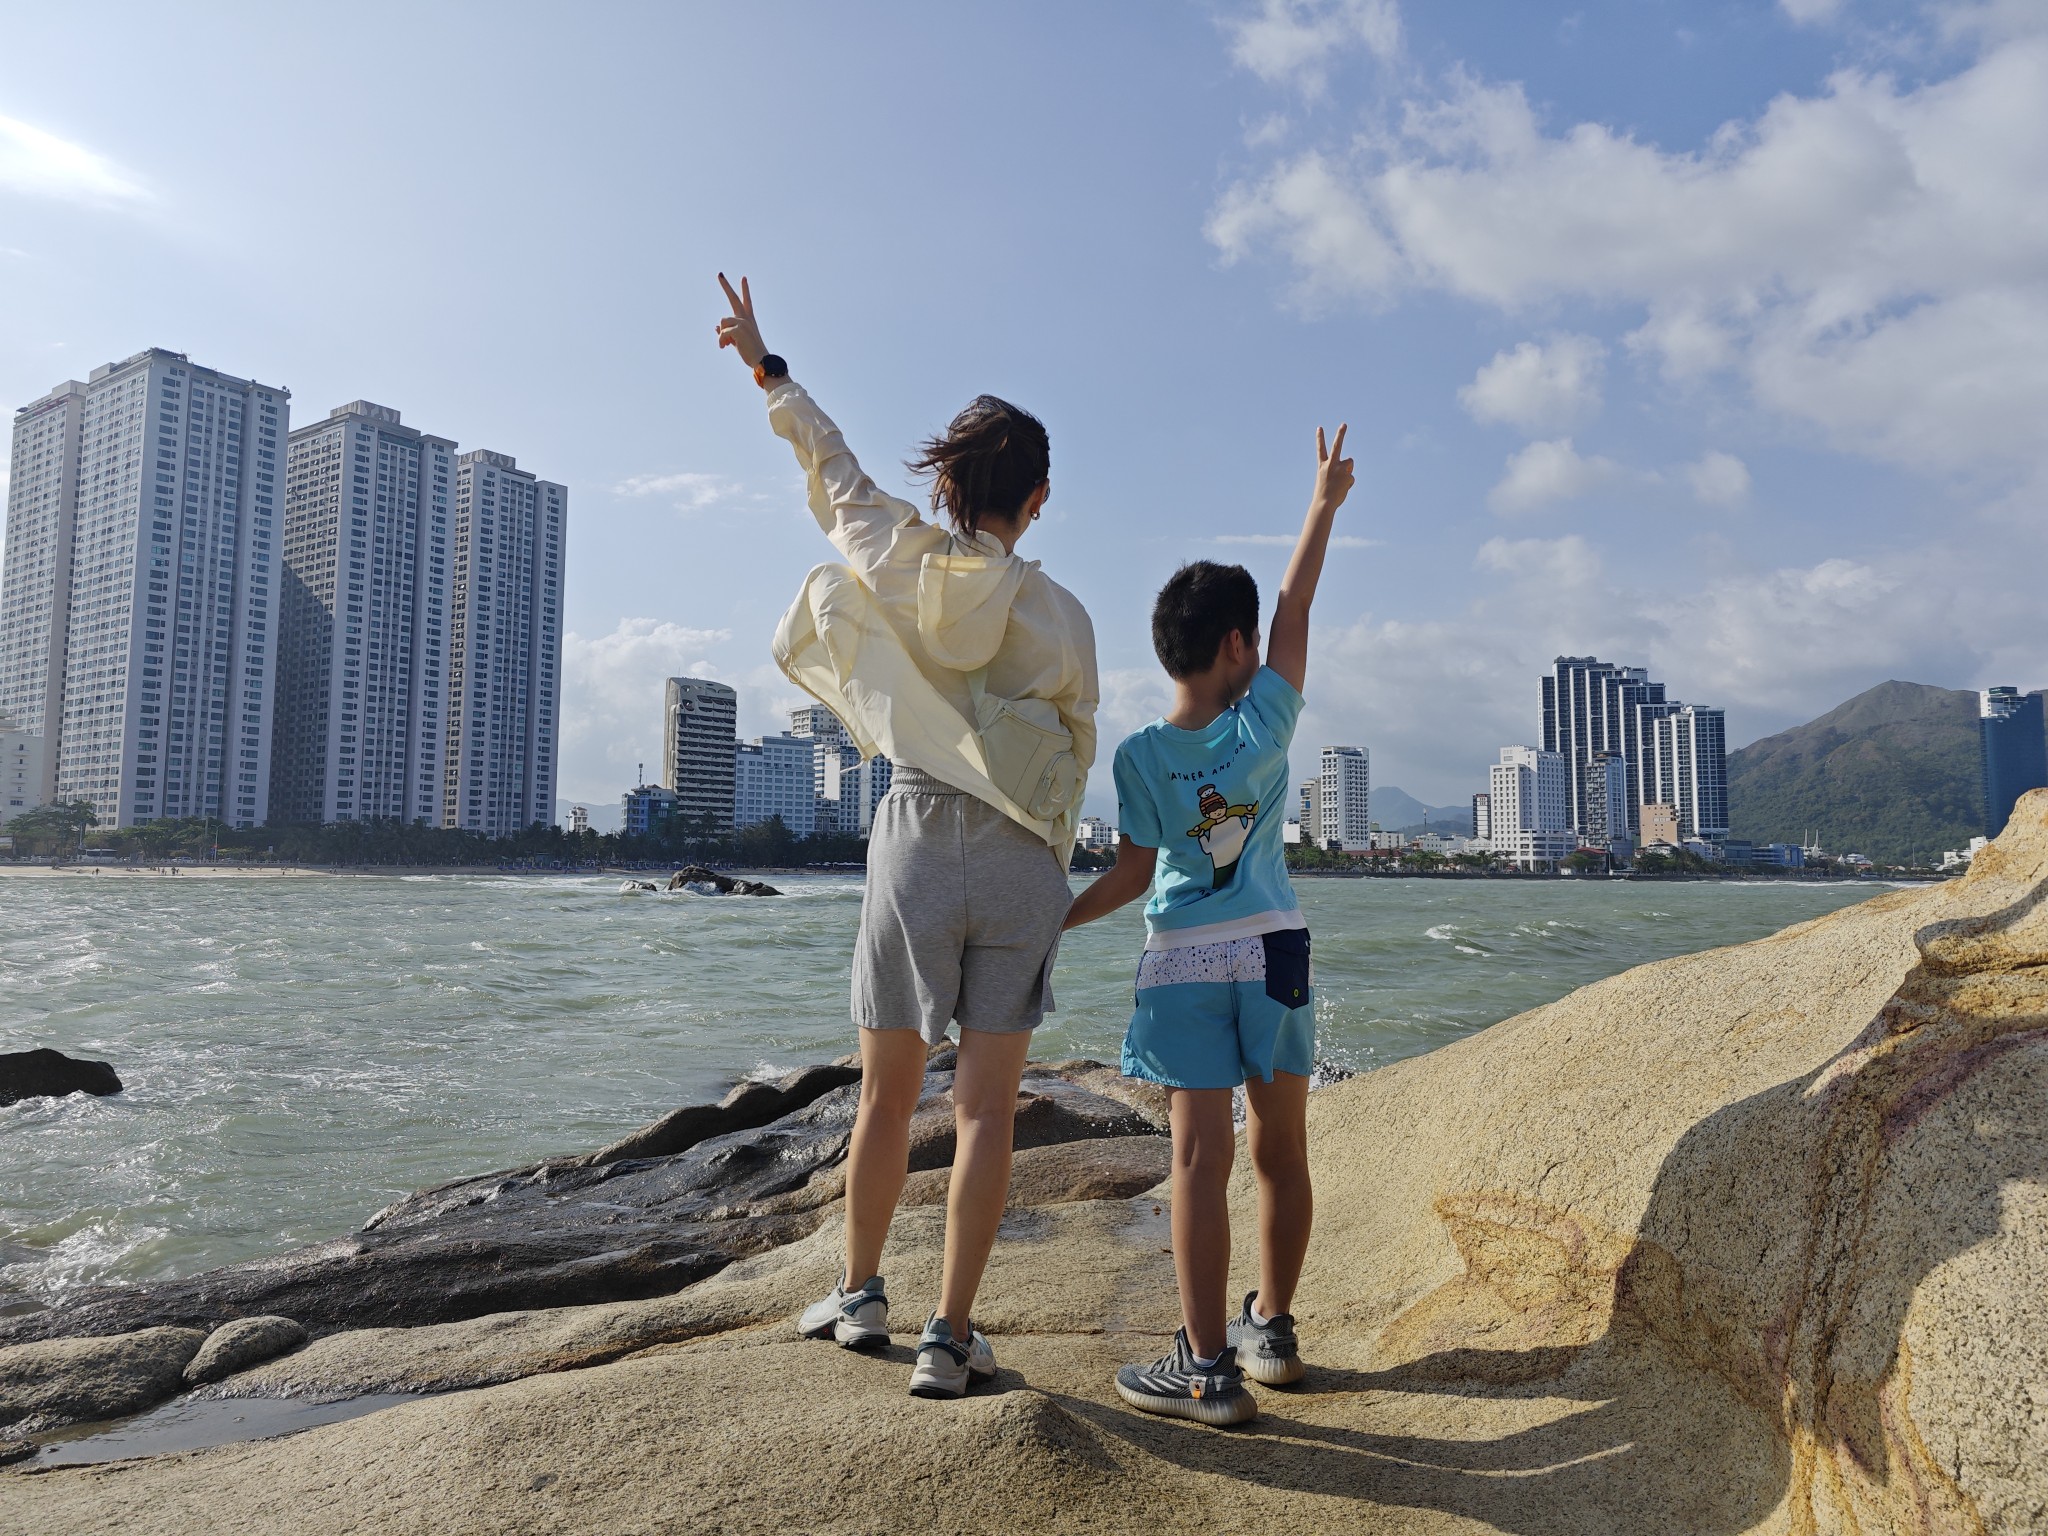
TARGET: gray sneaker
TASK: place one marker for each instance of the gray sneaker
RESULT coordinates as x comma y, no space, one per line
1266,1352
857,1319
945,1367
1175,1386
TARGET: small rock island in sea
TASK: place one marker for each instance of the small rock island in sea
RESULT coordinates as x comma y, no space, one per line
1749,1240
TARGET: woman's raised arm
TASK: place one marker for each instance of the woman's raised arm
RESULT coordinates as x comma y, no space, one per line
858,516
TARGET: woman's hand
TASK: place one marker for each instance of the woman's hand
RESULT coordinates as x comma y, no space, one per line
738,330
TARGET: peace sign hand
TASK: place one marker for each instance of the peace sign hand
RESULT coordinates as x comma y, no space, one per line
1333,470
738,330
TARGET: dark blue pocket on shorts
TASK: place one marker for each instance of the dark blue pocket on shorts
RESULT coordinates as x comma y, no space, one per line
1287,967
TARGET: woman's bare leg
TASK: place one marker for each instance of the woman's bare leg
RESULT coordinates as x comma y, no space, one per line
985,1121
878,1155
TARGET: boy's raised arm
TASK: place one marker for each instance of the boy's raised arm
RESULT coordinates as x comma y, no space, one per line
1287,646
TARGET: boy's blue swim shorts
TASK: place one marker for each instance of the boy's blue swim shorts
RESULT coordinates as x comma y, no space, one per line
1213,1015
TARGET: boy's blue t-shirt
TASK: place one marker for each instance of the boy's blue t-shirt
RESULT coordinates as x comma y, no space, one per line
1212,802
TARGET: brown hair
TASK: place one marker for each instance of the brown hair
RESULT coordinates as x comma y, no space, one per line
989,459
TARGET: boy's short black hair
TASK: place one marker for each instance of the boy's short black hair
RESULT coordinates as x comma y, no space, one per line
1200,604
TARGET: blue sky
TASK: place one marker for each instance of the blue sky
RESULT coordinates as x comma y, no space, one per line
1708,336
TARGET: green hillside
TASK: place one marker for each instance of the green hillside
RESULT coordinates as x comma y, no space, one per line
1892,774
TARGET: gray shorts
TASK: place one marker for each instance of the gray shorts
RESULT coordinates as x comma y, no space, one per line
961,916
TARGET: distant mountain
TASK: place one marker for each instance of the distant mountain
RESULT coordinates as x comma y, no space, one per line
1398,811
1893,774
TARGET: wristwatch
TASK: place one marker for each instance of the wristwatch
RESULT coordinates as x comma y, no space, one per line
770,370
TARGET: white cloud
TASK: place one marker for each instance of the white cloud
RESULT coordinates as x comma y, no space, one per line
1539,387
1289,540
1545,472
1867,260
612,695
689,492
40,164
1718,479
1808,12
1294,42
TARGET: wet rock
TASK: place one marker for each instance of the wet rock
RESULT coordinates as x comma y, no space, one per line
750,1104
47,1073
16,1450
697,876
66,1381
245,1342
570,1232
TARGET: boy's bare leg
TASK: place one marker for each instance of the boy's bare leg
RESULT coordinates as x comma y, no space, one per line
985,1125
1204,1143
1276,1116
878,1154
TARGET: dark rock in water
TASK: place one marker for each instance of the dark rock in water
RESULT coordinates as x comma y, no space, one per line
571,1231
726,885
44,1072
750,1104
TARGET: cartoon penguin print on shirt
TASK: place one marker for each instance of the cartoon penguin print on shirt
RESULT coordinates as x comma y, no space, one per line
1222,832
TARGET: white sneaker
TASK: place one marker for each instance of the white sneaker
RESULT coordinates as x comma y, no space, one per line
857,1319
945,1367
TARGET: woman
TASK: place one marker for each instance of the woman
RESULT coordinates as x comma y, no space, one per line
974,674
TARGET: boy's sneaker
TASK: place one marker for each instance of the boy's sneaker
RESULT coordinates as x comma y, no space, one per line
1266,1352
1176,1386
857,1319
945,1366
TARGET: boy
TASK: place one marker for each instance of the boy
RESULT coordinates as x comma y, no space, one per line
1223,994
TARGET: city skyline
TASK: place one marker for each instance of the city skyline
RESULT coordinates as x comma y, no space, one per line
1772,504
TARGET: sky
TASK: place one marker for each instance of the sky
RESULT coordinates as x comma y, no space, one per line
1709,337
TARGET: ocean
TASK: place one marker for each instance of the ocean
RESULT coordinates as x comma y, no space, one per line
298,1053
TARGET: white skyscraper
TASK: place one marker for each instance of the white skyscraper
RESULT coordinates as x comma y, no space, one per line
1689,763
363,621
835,772
1603,799
700,720
136,607
776,776
1528,799
505,646
1344,798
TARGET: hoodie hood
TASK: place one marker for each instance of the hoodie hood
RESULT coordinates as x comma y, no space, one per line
963,605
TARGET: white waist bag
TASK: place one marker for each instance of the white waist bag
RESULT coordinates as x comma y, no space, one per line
1030,754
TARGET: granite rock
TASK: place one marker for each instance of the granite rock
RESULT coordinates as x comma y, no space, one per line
245,1342
65,1381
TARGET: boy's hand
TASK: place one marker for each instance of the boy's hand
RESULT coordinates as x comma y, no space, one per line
1333,471
739,331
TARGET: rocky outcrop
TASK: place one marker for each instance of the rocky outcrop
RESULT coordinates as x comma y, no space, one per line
238,1345
1745,1241
46,1073
62,1381
633,1220
696,876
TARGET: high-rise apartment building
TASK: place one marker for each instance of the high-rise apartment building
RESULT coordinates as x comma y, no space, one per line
700,731
1344,798
362,677
1688,764
774,776
1311,811
1591,706
21,771
506,552
1603,799
137,614
1482,815
870,782
1528,800
2014,750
